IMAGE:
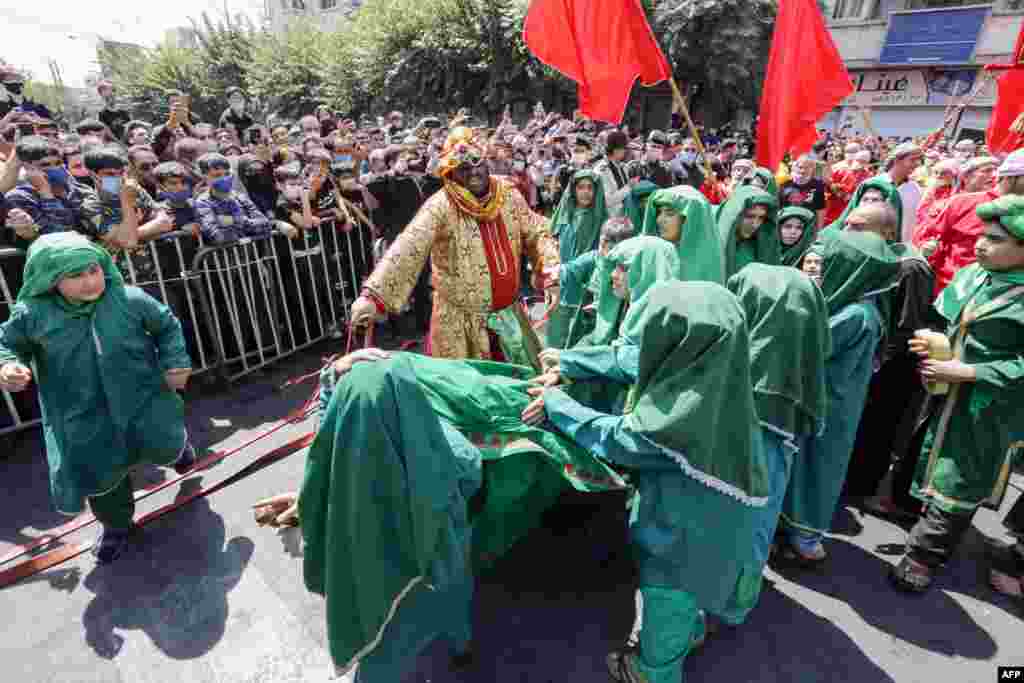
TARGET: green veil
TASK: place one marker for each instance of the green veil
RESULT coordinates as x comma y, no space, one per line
635,207
791,256
856,265
52,257
699,248
764,246
693,394
888,190
578,234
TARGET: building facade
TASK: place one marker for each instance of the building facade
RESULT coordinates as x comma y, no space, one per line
914,61
326,13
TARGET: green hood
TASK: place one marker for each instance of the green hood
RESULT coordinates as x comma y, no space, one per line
888,190
791,256
789,343
634,207
766,176
856,265
52,257
699,249
764,247
693,393
648,260
579,232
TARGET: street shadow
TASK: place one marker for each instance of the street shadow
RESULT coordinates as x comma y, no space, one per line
25,489
172,584
932,621
783,641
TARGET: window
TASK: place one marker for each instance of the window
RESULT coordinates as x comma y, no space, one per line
939,4
328,4
862,10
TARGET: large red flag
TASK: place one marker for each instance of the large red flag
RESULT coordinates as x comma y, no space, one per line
603,45
806,79
1009,103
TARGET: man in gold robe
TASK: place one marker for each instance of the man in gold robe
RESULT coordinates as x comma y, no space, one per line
475,231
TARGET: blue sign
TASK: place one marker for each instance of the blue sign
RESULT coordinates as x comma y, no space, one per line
944,36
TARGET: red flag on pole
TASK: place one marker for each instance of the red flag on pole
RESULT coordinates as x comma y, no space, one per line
603,45
806,79
1000,137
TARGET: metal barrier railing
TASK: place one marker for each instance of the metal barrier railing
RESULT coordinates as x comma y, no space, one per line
242,305
20,410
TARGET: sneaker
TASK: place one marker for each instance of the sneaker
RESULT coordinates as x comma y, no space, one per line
111,543
187,460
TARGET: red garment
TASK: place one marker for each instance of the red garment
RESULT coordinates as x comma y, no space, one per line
957,229
845,182
806,79
932,204
1009,102
715,192
501,262
603,45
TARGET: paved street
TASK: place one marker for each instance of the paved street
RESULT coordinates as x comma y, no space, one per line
209,596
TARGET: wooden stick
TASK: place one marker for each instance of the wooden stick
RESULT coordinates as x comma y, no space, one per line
681,103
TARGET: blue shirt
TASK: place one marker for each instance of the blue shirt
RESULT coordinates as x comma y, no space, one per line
229,218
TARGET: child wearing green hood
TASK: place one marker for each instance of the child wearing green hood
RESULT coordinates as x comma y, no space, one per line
109,360
747,229
683,216
852,269
968,450
797,230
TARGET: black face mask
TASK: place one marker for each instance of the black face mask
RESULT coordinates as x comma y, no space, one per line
14,88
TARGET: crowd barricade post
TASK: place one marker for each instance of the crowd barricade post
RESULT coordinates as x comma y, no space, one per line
19,410
268,297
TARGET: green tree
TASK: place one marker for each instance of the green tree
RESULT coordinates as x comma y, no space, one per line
288,72
717,48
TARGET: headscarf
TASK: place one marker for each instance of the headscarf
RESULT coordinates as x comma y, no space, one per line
790,340
634,207
648,260
878,182
856,265
791,255
462,143
699,249
766,176
693,392
588,232
56,256
765,241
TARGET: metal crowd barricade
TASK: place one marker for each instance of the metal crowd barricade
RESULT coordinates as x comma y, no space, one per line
20,410
265,298
172,282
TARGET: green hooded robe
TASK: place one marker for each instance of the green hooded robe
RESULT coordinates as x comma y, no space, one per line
699,247
888,190
857,268
635,206
792,255
100,370
764,246
578,232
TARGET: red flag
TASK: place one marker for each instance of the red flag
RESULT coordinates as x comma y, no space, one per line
1009,102
806,79
603,45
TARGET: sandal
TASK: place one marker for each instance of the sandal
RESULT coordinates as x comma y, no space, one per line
789,555
911,576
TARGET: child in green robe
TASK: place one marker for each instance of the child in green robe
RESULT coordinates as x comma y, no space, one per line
747,229
108,360
683,216
967,453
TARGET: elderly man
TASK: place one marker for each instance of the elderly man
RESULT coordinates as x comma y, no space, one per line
900,165
475,231
965,149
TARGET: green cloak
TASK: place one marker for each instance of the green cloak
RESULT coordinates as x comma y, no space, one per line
766,176
763,247
984,426
100,371
888,190
699,248
792,255
694,394
789,342
857,265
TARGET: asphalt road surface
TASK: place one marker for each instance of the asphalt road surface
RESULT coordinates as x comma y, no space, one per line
208,596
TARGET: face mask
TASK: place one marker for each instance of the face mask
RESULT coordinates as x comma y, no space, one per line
518,166
223,184
111,184
57,176
175,198
343,158
688,158
14,88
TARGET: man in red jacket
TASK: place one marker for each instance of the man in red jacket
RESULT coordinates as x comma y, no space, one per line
958,226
